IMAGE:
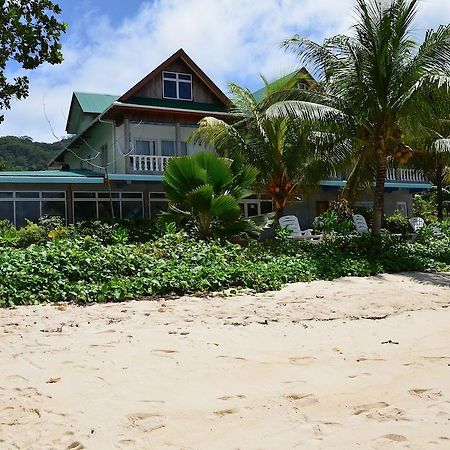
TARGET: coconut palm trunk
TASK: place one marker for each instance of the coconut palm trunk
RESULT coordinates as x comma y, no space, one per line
378,198
440,194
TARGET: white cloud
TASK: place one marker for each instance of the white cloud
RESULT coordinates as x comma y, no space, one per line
232,40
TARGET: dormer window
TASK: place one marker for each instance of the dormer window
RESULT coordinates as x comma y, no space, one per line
177,86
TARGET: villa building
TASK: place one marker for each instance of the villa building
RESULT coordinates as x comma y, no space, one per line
114,163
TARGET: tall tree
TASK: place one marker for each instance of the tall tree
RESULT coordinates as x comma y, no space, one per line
29,36
286,153
433,157
372,84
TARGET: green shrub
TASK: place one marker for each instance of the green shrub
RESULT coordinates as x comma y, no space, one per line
32,233
82,269
397,224
337,219
9,236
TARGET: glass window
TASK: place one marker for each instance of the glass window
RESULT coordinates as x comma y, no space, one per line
157,208
7,211
6,194
168,148
252,209
185,90
54,209
30,210
84,210
53,195
132,195
266,207
157,195
132,210
27,194
183,149
84,195
108,195
145,148
170,89
104,209
177,85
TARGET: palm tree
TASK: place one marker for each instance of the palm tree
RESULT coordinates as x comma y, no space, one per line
285,152
372,84
433,157
206,189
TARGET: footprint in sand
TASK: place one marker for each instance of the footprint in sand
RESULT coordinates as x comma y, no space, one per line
225,412
425,394
75,446
301,360
394,437
302,399
360,409
230,397
386,415
147,422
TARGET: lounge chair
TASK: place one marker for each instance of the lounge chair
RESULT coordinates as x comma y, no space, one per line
360,223
417,223
291,223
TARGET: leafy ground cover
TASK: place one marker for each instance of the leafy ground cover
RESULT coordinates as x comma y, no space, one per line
83,268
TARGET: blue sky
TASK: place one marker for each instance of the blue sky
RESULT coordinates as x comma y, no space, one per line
112,44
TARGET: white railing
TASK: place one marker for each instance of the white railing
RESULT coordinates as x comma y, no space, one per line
405,175
147,163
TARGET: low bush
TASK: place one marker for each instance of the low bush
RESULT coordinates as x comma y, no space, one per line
83,269
398,224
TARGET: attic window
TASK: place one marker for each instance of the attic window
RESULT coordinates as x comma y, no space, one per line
301,86
177,86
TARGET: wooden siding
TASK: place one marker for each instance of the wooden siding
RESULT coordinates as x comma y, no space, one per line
200,91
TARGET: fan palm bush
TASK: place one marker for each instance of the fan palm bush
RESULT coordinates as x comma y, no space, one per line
372,85
286,152
205,189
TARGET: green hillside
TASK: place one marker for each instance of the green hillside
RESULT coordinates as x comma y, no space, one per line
22,153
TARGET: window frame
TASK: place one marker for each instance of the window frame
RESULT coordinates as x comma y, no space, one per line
117,197
177,85
40,198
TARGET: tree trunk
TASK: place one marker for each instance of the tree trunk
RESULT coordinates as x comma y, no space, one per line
440,196
378,198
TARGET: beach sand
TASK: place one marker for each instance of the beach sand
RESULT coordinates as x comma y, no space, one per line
356,363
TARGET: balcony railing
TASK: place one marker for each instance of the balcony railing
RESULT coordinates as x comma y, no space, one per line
147,163
401,175
413,175
156,164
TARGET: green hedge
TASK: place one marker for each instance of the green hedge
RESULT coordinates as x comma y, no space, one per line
84,270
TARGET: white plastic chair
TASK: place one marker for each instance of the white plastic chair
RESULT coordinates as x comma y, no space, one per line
417,223
360,223
291,223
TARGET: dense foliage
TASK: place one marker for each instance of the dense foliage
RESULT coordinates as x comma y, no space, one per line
29,36
22,153
101,262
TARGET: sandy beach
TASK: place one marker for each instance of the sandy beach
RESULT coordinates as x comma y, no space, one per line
357,363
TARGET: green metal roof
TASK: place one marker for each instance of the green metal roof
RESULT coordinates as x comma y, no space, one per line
181,104
94,103
51,176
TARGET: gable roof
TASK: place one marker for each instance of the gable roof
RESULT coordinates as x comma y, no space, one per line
180,54
89,103
94,103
